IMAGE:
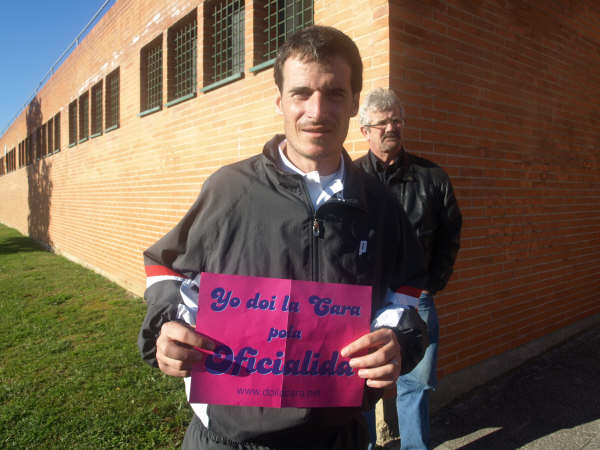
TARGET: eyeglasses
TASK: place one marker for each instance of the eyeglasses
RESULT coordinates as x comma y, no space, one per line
395,123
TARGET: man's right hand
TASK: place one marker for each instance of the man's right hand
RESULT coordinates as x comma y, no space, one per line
175,351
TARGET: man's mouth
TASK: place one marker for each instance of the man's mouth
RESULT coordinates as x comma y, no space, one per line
316,130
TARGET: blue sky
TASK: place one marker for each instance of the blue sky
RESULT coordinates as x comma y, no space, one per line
33,35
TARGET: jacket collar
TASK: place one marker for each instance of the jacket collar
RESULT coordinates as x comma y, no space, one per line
401,168
353,193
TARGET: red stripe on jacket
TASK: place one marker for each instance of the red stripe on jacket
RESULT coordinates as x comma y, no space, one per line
158,271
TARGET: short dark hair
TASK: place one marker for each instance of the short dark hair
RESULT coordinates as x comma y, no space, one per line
320,44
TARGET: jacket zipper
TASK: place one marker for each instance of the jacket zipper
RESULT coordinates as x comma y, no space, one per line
316,231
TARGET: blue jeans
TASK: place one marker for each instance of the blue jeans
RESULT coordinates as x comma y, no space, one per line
412,400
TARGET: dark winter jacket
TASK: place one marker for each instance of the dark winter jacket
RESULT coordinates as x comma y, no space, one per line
425,192
255,219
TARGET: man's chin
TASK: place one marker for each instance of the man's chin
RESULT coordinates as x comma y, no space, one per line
391,147
319,145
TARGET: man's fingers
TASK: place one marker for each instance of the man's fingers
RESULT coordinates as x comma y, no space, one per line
382,364
173,367
381,344
185,334
387,372
368,341
178,348
171,349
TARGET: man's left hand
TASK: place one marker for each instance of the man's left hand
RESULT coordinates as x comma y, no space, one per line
382,364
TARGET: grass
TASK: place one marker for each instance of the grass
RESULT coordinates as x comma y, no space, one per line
70,372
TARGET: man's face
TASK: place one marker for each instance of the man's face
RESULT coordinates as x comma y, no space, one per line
316,102
384,134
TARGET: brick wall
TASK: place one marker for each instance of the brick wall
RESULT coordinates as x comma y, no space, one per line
505,95
502,94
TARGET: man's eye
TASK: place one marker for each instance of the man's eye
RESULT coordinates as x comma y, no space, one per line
300,95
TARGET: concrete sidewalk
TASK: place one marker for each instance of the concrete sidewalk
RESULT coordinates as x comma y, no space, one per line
552,402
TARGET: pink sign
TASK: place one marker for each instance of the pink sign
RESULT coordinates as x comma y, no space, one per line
278,342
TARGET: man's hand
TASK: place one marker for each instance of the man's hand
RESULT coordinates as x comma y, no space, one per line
382,364
175,351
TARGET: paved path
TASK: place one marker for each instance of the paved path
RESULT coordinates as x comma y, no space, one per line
552,402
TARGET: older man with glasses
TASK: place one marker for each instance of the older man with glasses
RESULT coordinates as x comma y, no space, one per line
424,190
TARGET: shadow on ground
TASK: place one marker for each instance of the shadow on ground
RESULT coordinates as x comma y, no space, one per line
19,245
550,402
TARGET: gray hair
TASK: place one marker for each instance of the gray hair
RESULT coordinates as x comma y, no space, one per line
379,100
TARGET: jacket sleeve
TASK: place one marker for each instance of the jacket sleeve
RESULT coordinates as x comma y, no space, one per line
170,263
447,238
399,306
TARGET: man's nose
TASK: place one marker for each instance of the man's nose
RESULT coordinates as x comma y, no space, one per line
316,105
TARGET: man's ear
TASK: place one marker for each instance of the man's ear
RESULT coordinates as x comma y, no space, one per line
278,103
355,103
365,132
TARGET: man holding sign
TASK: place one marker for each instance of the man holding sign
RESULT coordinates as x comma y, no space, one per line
265,287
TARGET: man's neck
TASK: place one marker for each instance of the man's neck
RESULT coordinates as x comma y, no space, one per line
388,159
324,166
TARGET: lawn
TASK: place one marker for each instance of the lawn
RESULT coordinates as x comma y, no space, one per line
70,372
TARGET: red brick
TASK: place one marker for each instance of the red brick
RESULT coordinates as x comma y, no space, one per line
504,99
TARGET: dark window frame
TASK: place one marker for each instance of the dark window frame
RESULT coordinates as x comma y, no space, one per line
43,141
37,143
112,99
28,150
50,135
182,59
96,121
273,23
22,154
84,117
57,132
13,157
151,77
224,42
73,123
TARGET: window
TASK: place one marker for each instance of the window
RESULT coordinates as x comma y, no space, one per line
22,154
224,42
151,77
2,167
34,150
11,161
50,136
43,142
73,123
28,149
37,142
181,41
84,125
112,100
57,132
97,109
276,20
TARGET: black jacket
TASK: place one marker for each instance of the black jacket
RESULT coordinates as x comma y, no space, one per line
425,192
254,219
